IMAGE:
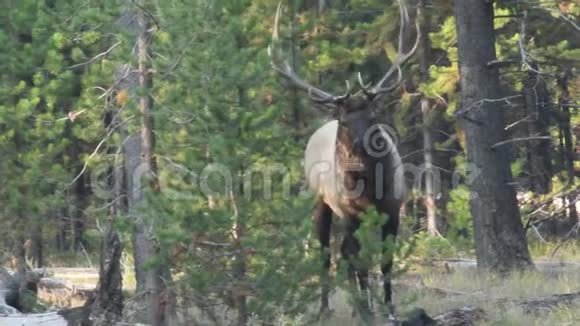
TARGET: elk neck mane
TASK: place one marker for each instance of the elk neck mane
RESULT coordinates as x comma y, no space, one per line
354,166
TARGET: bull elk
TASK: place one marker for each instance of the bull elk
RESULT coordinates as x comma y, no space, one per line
352,163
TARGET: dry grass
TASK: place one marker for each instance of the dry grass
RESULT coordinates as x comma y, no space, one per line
484,291
467,288
556,251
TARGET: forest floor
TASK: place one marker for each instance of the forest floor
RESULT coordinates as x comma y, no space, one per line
438,289
457,285
438,286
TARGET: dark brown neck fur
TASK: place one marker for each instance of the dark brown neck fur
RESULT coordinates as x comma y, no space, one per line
353,167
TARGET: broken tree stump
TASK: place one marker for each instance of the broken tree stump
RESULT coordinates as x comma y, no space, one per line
10,302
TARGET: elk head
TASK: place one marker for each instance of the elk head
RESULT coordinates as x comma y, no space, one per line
354,112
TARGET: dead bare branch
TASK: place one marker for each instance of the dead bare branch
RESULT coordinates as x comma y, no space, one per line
97,148
95,58
478,104
569,21
513,140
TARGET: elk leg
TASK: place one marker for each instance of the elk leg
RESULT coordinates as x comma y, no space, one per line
364,295
389,233
362,274
363,281
322,216
350,249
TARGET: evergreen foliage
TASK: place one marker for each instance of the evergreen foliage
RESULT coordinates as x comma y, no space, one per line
232,217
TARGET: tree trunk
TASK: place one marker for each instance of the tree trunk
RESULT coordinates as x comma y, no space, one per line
566,139
429,196
500,241
150,279
238,233
77,218
537,101
26,289
239,268
295,96
106,307
37,245
62,242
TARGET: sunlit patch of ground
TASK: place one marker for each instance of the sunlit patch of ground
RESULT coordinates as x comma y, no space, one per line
437,288
438,292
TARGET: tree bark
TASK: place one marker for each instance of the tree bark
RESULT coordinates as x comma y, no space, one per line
500,241
106,306
150,279
424,52
25,293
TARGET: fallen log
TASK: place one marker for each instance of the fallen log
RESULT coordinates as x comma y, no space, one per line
545,266
63,294
45,319
466,316
538,305
15,287
440,292
9,316
9,302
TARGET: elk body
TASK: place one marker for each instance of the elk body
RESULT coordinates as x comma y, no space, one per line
352,164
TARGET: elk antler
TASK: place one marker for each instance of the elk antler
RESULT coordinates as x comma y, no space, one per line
285,69
401,58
